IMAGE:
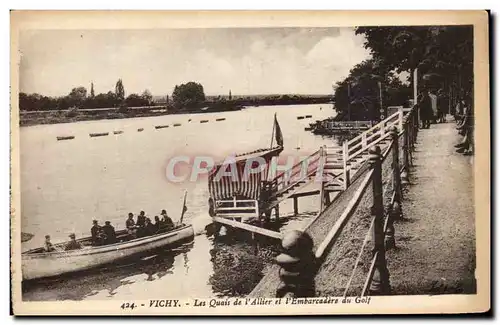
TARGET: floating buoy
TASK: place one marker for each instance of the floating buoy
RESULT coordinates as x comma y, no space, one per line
203,121
189,120
140,130
68,137
177,124
102,134
221,119
161,126
309,116
117,132
300,117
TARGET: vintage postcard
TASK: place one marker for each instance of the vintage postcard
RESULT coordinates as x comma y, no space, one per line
250,163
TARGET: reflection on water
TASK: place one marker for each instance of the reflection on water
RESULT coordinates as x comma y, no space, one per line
66,184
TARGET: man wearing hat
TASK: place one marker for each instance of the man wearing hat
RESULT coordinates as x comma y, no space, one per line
72,244
167,223
141,219
95,232
109,232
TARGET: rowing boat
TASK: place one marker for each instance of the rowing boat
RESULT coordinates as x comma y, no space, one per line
39,264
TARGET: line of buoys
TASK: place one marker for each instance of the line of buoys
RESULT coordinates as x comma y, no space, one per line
221,119
161,126
102,134
177,124
66,137
117,132
300,117
140,130
203,121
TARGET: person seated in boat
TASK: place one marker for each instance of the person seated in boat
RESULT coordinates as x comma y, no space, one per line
167,223
47,246
149,229
141,219
94,231
101,237
72,244
109,232
157,223
130,225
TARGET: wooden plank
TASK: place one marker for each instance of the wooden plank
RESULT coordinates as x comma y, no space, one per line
245,226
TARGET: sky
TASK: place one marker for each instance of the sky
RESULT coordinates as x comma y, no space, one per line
244,60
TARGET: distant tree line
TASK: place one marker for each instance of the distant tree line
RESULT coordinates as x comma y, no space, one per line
78,98
185,97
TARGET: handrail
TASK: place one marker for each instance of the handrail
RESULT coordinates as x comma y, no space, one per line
376,126
296,169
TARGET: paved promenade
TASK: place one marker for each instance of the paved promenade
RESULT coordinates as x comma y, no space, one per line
436,241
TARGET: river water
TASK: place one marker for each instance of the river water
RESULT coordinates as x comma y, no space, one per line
66,184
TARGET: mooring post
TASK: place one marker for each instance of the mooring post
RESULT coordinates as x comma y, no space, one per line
255,244
298,265
396,176
295,205
327,197
380,282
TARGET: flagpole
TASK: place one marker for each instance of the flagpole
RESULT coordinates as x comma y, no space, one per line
272,134
183,208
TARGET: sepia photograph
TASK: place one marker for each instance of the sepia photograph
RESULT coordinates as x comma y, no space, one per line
257,163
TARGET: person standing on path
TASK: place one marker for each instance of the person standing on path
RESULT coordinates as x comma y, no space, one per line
425,106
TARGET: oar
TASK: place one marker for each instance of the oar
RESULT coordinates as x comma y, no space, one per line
184,208
26,236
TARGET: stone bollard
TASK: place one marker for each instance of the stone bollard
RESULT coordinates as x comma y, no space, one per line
298,265
380,284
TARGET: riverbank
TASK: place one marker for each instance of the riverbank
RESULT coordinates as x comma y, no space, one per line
29,118
76,115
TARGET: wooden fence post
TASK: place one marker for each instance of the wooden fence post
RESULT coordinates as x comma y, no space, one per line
396,176
380,284
346,172
406,153
298,265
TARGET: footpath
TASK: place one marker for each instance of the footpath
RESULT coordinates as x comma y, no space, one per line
436,240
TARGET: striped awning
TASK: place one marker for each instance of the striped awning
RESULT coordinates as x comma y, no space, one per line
243,186
227,186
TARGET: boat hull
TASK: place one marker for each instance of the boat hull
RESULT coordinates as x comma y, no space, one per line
44,265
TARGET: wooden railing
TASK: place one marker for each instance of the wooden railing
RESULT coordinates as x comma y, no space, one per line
360,144
237,208
300,171
385,210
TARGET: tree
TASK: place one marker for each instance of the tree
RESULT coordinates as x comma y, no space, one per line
189,95
358,96
147,97
444,50
92,95
77,96
120,90
134,100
